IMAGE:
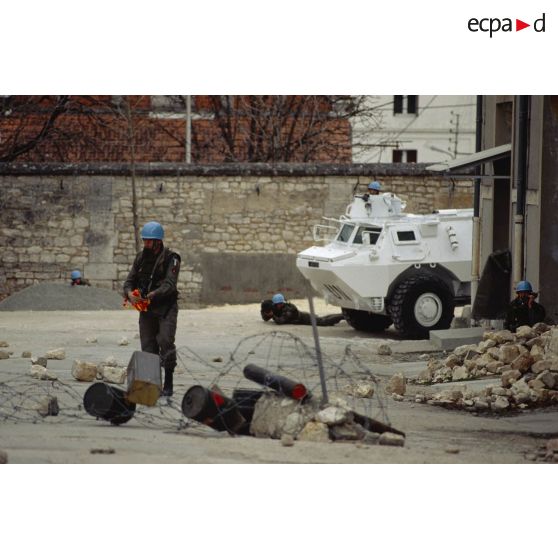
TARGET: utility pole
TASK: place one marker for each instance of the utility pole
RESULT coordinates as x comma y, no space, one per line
455,132
188,129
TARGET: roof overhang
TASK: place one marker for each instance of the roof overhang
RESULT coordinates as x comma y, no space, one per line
462,163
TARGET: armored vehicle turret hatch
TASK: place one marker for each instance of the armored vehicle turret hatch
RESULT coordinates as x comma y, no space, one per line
384,266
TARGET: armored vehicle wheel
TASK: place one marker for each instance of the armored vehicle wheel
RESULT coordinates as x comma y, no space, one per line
420,304
366,321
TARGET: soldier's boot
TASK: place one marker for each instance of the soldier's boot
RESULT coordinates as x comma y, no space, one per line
167,385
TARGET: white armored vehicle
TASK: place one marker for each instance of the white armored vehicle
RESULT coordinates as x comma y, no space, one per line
384,266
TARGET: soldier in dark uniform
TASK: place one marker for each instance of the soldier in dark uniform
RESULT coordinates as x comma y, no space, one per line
155,274
523,310
287,313
78,280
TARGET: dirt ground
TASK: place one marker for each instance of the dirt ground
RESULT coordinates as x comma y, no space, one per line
206,338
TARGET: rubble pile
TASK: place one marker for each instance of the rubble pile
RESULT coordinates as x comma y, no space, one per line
279,417
526,362
530,351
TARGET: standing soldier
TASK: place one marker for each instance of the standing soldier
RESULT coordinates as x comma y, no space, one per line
155,274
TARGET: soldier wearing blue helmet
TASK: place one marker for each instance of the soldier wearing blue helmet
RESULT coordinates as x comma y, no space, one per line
154,274
78,279
523,310
283,312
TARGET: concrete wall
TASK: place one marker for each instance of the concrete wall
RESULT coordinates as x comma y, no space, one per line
237,227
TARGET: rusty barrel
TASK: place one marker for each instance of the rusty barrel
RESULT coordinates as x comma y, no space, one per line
285,386
212,409
108,403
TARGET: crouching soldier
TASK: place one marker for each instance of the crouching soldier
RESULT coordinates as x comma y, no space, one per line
78,280
523,310
154,274
287,313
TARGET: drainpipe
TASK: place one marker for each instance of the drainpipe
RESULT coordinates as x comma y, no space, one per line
475,264
521,131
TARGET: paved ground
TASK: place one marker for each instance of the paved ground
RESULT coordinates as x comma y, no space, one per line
207,337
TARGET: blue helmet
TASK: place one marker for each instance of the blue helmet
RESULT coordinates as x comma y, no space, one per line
278,299
75,274
152,230
524,286
374,186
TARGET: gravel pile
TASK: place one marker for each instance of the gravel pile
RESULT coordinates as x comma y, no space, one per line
61,296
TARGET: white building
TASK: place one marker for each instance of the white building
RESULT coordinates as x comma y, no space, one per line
416,129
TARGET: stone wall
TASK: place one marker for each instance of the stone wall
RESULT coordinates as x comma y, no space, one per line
238,228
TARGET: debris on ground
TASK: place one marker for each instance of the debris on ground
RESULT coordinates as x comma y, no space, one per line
123,341
56,354
364,390
84,371
26,354
4,344
4,355
397,384
3,457
526,363
529,350
41,361
41,373
106,451
48,407
384,349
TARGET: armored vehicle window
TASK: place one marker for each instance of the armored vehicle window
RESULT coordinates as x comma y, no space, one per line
345,233
405,236
374,233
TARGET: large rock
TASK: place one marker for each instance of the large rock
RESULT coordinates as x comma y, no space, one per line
112,374
41,373
48,407
84,371
547,378
552,348
332,415
460,373
314,432
360,389
503,336
294,423
510,377
525,332
500,404
397,384
508,353
522,363
464,351
56,354
271,412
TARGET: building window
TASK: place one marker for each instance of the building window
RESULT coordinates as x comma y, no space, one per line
404,156
405,104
